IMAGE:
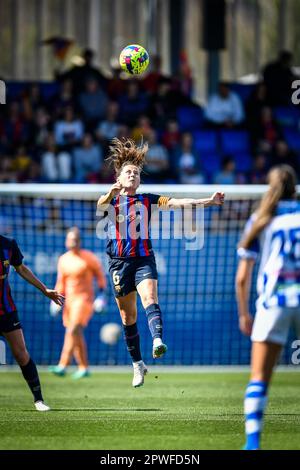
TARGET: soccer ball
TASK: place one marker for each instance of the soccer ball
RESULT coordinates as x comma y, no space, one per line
110,333
134,59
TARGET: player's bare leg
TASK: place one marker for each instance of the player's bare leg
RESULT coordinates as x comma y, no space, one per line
80,355
264,357
128,312
147,290
67,351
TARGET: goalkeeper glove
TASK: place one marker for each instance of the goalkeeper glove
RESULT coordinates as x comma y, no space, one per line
100,303
54,309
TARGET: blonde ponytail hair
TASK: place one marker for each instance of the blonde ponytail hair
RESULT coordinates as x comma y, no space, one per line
282,186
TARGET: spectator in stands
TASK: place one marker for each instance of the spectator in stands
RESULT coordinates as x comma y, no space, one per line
283,155
152,79
109,128
224,109
258,174
189,172
107,174
171,135
69,131
157,162
32,100
28,121
254,106
21,163
88,159
187,161
40,129
7,174
183,80
13,128
33,173
133,103
65,98
93,104
124,132
268,131
56,166
164,103
116,86
227,175
278,78
142,130
81,74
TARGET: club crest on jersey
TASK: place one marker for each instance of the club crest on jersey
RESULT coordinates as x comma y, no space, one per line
120,218
6,262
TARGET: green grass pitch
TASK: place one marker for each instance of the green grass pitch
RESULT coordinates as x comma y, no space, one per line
172,411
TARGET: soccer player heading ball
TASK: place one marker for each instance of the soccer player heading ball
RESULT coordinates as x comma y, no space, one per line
132,263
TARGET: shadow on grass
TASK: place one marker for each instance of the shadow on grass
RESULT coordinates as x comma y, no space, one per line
97,409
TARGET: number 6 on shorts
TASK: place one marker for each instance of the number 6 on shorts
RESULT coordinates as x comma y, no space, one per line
116,278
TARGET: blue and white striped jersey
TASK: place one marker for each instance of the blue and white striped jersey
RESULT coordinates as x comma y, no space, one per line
278,282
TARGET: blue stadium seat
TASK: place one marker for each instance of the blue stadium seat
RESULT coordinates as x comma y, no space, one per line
235,142
49,89
243,90
293,139
243,162
287,116
206,141
189,118
211,163
15,88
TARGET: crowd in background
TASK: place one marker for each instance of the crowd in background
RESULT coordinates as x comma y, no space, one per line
64,138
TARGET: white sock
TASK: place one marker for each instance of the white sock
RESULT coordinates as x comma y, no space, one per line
157,342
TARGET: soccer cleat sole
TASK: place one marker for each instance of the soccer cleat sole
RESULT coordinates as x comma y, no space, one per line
159,351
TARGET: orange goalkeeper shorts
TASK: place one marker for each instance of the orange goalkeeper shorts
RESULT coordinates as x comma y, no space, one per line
77,312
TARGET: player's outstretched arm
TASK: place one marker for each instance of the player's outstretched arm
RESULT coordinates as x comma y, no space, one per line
242,288
217,199
105,200
28,275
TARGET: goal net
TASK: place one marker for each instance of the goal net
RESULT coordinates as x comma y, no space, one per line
196,287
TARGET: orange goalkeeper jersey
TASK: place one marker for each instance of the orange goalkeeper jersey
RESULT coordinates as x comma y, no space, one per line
76,272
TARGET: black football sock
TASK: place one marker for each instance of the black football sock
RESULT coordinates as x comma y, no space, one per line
31,376
154,320
132,339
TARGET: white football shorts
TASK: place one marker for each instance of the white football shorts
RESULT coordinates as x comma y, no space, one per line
273,324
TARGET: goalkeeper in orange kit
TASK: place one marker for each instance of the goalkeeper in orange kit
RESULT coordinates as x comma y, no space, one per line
77,269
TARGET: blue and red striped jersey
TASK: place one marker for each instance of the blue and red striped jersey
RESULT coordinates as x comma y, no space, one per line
10,255
128,225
